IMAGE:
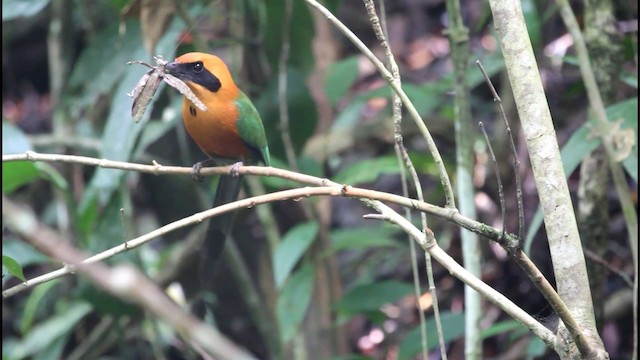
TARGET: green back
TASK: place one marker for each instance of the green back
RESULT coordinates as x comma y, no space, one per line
251,129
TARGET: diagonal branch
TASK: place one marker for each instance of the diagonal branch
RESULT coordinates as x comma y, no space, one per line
322,187
124,281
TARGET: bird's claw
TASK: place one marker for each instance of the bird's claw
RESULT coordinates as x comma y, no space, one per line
235,169
195,171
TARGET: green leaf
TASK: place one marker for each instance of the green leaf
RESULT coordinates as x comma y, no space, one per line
154,130
13,9
363,237
100,67
105,303
86,218
501,327
340,76
629,78
290,250
108,230
121,132
16,174
22,252
536,348
425,98
301,109
12,267
367,171
372,296
276,182
492,62
47,333
51,174
301,33
583,141
348,118
452,328
35,299
306,165
293,302
533,21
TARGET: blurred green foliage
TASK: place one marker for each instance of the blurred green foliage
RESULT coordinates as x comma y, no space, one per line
99,208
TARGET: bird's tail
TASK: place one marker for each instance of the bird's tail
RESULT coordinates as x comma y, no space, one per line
220,226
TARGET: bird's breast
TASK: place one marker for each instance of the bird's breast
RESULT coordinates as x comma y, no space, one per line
215,131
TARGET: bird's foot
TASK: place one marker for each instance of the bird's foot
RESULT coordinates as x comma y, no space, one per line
195,171
235,169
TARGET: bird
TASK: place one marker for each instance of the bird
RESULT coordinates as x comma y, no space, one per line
229,131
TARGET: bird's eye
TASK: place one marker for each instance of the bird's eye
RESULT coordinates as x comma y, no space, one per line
197,67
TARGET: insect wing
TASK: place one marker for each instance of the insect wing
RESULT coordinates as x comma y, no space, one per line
143,93
179,85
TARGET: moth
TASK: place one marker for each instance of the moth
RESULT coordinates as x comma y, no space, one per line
149,83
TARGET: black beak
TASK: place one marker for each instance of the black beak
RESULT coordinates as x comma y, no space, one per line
173,68
193,73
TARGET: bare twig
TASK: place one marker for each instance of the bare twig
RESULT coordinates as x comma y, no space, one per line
323,187
496,170
603,262
448,214
126,282
413,112
379,28
282,88
514,153
608,134
123,281
544,154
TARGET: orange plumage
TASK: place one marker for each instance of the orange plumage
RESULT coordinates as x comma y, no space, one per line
215,131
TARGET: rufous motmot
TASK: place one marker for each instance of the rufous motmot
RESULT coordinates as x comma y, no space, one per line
230,131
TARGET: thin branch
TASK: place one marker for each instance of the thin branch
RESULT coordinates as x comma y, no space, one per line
427,241
607,265
123,281
379,28
458,36
282,88
323,187
608,134
496,170
132,285
514,152
451,215
544,154
413,112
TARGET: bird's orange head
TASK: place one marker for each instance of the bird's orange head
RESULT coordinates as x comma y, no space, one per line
206,75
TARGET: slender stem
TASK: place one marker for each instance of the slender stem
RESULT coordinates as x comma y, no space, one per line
608,134
138,289
514,152
496,170
323,187
123,281
282,87
413,112
379,28
458,36
544,153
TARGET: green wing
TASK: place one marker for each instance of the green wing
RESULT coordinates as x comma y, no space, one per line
251,129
